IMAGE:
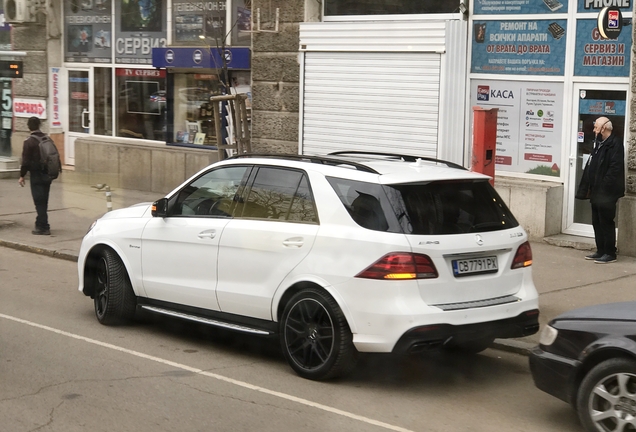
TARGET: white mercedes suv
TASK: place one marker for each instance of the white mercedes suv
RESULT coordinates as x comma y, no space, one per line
337,254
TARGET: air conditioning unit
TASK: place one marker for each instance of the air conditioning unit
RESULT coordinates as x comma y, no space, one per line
19,11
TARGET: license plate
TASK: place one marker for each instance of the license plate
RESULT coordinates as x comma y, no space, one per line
473,266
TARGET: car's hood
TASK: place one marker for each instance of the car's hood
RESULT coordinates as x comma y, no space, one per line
137,210
623,311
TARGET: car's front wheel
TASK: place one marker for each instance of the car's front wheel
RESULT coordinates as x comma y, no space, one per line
315,337
606,399
114,299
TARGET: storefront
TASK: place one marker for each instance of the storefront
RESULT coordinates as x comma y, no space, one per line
112,88
193,76
546,67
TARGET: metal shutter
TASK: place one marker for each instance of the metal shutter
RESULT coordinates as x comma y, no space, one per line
371,101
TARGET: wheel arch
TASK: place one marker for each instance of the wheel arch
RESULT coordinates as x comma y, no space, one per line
604,349
90,262
282,297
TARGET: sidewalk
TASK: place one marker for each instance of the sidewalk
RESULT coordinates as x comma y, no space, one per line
563,278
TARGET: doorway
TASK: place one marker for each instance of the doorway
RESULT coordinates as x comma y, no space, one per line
89,106
590,102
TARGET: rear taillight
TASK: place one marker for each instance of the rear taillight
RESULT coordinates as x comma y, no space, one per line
400,266
523,257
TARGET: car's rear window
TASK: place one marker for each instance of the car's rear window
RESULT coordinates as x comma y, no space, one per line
443,207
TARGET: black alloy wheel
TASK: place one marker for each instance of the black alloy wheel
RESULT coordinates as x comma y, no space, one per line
606,399
315,336
115,301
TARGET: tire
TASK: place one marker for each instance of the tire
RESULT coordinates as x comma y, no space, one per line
114,300
315,337
474,346
619,402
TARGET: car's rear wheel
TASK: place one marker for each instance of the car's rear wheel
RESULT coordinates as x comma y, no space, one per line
606,399
315,337
115,301
474,346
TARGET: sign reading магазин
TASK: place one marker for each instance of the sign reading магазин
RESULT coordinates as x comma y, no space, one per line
140,27
595,56
519,47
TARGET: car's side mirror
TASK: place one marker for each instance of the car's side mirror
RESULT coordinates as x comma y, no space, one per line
160,208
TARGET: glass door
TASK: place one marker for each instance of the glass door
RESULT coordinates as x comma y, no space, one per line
79,114
90,107
591,101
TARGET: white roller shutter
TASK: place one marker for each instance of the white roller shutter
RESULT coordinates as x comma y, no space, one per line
371,101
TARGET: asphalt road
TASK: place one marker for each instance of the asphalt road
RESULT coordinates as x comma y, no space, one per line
60,370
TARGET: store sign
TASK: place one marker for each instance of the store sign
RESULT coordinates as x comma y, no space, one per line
610,23
519,47
500,7
198,21
23,107
54,91
528,124
140,73
596,56
597,5
233,58
140,27
87,30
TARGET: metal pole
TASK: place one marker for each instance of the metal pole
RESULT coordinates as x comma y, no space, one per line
109,203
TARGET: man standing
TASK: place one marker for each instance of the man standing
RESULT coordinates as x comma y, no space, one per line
607,185
39,178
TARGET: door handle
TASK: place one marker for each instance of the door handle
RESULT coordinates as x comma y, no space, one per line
207,234
294,242
84,117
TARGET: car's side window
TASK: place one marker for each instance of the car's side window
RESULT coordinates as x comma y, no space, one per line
212,194
279,194
366,203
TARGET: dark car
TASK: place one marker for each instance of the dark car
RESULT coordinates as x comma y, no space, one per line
587,358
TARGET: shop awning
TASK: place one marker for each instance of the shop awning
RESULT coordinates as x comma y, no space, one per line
201,57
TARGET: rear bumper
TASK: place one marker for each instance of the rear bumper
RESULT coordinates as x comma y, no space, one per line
553,374
432,336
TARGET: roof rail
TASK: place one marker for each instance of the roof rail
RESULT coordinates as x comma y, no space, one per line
324,160
406,158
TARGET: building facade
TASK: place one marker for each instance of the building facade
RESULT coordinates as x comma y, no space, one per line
375,75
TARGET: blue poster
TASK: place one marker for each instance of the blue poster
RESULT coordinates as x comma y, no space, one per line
500,7
519,47
602,107
597,5
601,57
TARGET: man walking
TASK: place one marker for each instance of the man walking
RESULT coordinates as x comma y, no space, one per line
607,185
39,178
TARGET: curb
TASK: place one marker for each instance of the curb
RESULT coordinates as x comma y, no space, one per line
41,251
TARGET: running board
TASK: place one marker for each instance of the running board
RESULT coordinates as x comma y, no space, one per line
207,321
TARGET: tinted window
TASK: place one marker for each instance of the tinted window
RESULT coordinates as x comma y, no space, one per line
450,207
367,204
279,194
212,194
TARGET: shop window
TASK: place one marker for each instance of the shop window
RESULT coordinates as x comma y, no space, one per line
193,114
389,7
103,101
141,104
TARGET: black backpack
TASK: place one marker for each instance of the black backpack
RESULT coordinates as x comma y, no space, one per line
49,156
